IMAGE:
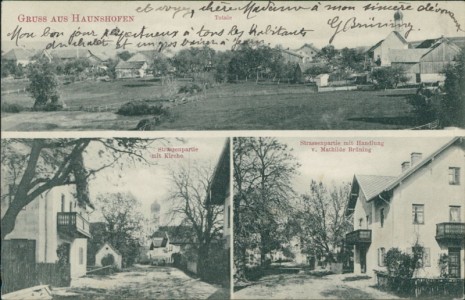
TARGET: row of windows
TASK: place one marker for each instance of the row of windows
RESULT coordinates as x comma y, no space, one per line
418,215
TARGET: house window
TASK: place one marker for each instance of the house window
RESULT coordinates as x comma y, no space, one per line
418,213
381,216
62,203
454,176
81,256
360,222
426,257
70,206
454,213
368,219
381,256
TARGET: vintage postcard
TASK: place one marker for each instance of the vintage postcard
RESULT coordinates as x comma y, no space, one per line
232,65
232,149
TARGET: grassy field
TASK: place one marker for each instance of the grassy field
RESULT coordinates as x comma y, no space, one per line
244,106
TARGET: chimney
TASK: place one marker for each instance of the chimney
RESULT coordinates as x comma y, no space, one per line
415,157
405,165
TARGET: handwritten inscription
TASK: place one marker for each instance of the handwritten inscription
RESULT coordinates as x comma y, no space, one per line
224,33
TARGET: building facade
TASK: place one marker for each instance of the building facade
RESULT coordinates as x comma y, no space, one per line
423,206
53,227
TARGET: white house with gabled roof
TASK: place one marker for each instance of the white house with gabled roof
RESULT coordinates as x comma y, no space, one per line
424,204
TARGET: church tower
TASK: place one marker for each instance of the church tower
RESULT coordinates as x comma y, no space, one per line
398,21
154,216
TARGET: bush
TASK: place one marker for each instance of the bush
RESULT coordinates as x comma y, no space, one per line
12,108
388,77
189,89
401,264
425,104
108,260
141,108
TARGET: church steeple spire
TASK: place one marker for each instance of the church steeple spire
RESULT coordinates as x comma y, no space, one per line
398,21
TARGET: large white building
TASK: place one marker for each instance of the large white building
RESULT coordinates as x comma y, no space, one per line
423,205
55,222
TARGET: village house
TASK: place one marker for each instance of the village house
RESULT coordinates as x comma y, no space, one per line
53,227
20,56
161,250
131,69
304,54
423,205
422,61
106,250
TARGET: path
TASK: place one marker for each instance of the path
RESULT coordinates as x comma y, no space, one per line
313,286
139,282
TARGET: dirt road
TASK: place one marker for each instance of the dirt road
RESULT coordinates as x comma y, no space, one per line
312,286
139,282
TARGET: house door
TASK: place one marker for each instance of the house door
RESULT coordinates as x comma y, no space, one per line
363,260
454,262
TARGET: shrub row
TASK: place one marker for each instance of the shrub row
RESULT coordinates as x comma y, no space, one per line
141,108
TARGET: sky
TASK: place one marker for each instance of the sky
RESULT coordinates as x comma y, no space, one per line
448,21
339,167
149,183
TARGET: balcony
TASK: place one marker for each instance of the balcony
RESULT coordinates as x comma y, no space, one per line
73,225
359,237
450,232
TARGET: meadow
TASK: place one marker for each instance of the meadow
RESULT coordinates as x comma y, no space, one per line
241,106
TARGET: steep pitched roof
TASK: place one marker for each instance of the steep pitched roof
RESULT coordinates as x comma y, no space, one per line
110,246
290,52
145,55
130,65
18,54
158,243
418,166
375,46
309,46
398,35
372,185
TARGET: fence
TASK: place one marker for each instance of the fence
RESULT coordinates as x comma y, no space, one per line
421,287
17,91
17,276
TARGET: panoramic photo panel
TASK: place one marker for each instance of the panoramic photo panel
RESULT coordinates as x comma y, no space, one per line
348,217
241,65
122,218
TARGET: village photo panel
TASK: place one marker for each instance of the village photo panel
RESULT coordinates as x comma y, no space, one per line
242,65
113,218
345,217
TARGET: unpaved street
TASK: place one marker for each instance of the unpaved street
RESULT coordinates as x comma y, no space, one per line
139,282
312,286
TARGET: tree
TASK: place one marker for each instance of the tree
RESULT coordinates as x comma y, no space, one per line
453,103
193,61
322,219
352,60
43,84
263,170
388,77
124,55
124,223
327,54
31,167
161,66
190,202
